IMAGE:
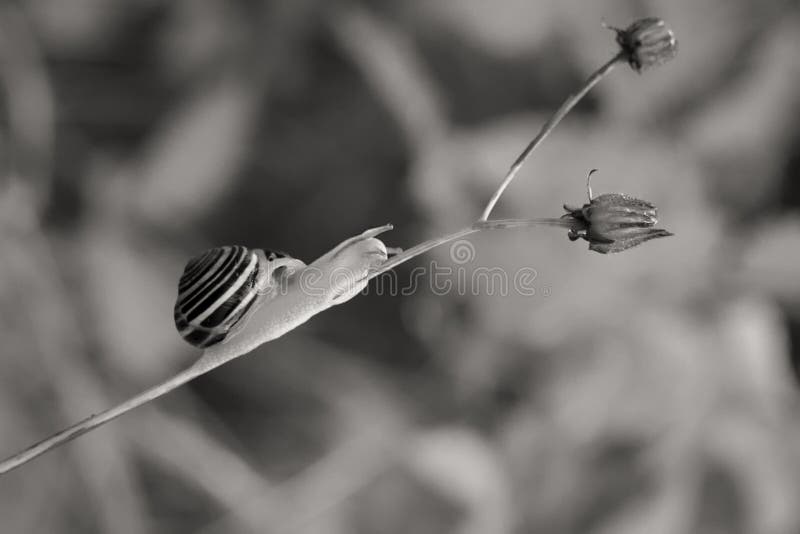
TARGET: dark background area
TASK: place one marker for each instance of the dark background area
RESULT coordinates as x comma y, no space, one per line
651,391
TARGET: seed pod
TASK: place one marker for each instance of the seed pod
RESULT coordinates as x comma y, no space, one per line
614,222
646,43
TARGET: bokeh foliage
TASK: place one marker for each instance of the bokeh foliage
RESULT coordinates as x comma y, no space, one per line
653,391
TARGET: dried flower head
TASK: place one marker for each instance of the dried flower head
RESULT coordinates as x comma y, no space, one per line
614,222
646,43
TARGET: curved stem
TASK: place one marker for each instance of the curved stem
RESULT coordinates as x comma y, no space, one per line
548,127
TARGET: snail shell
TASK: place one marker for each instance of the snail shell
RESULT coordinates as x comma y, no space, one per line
221,288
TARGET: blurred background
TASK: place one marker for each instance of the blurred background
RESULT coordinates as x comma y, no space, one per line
653,391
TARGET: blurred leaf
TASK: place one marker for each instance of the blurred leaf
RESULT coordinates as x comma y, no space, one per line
131,292
192,159
459,464
770,258
753,337
81,25
767,486
197,35
514,26
748,121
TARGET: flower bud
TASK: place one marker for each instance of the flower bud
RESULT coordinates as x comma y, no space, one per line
614,222
646,43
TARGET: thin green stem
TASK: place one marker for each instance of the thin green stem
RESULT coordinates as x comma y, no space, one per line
548,127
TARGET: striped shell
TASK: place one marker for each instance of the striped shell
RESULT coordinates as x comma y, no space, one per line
220,288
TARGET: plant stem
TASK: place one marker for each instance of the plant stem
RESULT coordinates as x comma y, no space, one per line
548,127
212,359
497,224
200,367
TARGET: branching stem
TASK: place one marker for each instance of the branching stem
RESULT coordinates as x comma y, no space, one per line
210,360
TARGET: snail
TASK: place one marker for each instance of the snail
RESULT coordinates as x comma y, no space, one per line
232,299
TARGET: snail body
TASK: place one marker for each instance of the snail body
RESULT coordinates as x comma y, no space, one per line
232,299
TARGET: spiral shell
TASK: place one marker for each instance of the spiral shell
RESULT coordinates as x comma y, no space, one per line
221,287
